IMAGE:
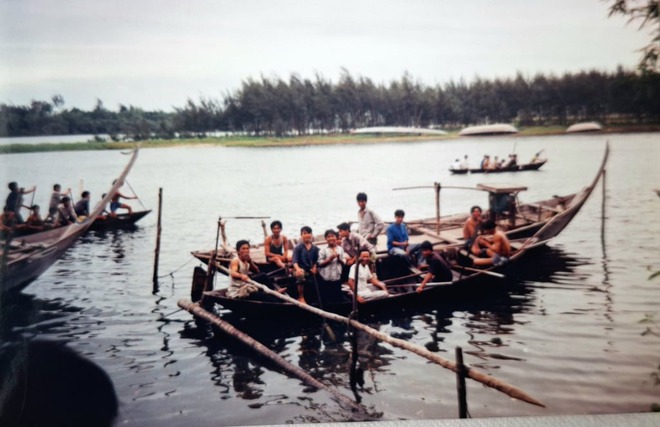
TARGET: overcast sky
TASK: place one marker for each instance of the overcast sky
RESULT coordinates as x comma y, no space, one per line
157,54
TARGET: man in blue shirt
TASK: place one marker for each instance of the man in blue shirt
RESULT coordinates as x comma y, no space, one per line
397,238
305,258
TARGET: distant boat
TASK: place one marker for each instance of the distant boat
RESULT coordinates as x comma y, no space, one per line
584,127
399,130
495,129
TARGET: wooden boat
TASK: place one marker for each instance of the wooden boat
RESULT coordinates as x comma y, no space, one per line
518,168
494,129
584,127
122,220
27,257
540,221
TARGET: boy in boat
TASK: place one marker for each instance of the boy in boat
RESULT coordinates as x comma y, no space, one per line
65,213
34,221
305,260
275,246
116,204
56,197
370,224
331,262
439,269
240,269
471,226
492,246
397,240
368,286
82,205
15,199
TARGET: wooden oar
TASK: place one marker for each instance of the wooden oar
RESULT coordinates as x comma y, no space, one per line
485,379
229,329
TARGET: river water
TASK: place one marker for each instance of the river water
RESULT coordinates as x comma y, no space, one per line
567,331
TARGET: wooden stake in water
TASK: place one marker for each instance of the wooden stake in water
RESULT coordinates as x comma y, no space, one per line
460,384
158,230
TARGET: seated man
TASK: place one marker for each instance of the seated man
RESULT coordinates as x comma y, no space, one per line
471,226
368,287
116,204
492,246
240,269
34,221
439,269
275,246
353,244
397,240
65,213
82,205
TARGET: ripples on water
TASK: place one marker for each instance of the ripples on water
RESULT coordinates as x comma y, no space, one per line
566,329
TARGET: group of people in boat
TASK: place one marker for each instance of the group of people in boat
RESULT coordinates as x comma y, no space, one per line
61,209
329,271
488,163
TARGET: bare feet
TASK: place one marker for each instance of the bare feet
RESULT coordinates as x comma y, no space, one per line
302,300
282,290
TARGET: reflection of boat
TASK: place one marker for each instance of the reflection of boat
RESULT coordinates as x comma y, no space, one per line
122,220
517,168
465,282
494,129
27,257
584,127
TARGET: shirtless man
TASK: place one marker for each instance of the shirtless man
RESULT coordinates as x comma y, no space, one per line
471,226
275,246
492,246
116,204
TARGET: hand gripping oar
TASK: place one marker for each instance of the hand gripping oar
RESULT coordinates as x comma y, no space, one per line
327,328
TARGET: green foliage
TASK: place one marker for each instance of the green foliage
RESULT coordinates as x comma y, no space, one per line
647,14
283,108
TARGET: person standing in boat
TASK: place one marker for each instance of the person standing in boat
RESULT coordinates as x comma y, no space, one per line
82,206
465,164
492,246
116,204
53,205
305,260
439,269
275,246
331,262
368,286
397,240
471,226
370,224
14,199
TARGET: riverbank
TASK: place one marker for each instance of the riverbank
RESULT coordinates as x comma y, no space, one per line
259,141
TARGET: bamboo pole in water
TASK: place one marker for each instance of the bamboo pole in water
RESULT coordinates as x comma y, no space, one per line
460,384
295,371
158,230
485,379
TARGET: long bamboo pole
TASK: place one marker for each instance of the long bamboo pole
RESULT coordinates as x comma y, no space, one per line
487,380
295,371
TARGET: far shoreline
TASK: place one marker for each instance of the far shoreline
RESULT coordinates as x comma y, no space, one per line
294,141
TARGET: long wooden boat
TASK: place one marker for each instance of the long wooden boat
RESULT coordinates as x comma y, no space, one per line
466,280
27,257
517,168
121,221
494,129
517,219
584,127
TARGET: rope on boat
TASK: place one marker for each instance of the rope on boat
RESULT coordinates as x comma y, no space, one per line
171,273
